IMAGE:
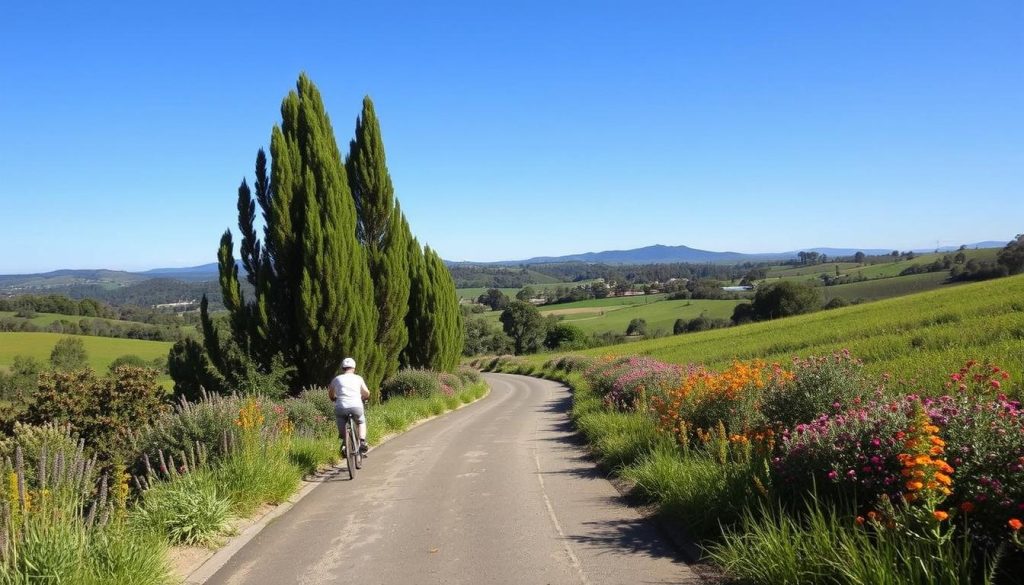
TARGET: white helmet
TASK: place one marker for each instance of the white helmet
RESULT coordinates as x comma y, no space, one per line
348,363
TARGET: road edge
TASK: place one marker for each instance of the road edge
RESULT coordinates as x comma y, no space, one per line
209,566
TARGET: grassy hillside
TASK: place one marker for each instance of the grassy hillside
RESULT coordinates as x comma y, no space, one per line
887,288
101,350
919,337
659,315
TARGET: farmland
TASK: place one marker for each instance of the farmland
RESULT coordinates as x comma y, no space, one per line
101,350
918,337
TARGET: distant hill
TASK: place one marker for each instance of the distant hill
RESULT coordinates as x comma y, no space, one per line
201,272
660,254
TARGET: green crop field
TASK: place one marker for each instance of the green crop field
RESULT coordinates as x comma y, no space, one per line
920,337
658,315
101,350
45,319
887,288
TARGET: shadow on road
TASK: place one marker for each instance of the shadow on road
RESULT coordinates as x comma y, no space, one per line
642,536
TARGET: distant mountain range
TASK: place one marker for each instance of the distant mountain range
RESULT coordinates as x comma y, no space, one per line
660,254
112,279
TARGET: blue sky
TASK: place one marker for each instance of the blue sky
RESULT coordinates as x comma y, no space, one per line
521,128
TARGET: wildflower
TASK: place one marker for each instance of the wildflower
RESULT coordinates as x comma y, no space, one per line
967,507
1015,524
860,521
940,515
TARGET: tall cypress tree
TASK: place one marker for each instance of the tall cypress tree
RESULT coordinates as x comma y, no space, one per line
314,299
416,353
446,332
382,233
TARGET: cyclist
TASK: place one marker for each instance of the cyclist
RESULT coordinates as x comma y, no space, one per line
348,390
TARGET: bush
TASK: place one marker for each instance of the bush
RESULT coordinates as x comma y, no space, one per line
69,354
129,360
637,327
784,299
103,411
468,375
624,382
820,385
411,383
310,416
188,510
701,493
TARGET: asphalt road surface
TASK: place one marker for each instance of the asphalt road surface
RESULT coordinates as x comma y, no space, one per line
500,491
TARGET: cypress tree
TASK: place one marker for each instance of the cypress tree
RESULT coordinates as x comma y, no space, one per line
382,232
446,333
416,353
314,299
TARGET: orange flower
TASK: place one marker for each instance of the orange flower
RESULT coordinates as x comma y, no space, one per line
940,515
914,485
859,521
967,507
1015,524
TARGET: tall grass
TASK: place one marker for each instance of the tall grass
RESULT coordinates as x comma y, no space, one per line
822,545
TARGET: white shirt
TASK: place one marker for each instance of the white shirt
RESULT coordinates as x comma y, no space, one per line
348,390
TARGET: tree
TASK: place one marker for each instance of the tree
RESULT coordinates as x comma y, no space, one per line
417,320
783,299
446,334
485,337
565,336
313,302
1012,256
679,327
69,354
381,230
524,324
191,371
493,298
637,327
599,290
526,293
858,257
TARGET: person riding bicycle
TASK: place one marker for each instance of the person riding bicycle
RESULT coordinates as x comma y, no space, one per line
348,390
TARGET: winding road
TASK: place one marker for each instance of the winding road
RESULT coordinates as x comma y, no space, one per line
500,491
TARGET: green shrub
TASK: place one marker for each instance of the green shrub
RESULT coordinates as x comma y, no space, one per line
257,475
309,417
468,375
821,385
205,422
103,411
188,510
309,453
411,383
697,491
620,439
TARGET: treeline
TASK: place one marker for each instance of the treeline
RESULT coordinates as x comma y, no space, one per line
155,291
27,305
96,327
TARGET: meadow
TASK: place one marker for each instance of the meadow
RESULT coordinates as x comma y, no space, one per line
920,337
101,350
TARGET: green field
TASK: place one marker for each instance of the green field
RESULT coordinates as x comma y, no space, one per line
920,337
45,319
660,315
887,288
101,350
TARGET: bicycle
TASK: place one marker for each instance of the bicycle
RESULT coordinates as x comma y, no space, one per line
350,445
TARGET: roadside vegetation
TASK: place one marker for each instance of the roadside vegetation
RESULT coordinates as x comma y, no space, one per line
102,477
814,470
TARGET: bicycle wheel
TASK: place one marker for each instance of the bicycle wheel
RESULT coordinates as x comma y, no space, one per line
355,441
351,447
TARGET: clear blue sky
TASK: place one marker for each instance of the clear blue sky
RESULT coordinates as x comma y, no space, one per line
517,129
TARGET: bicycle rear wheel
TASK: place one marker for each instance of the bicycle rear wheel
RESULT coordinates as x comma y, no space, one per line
351,447
354,431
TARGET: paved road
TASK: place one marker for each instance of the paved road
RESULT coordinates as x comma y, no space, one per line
497,492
